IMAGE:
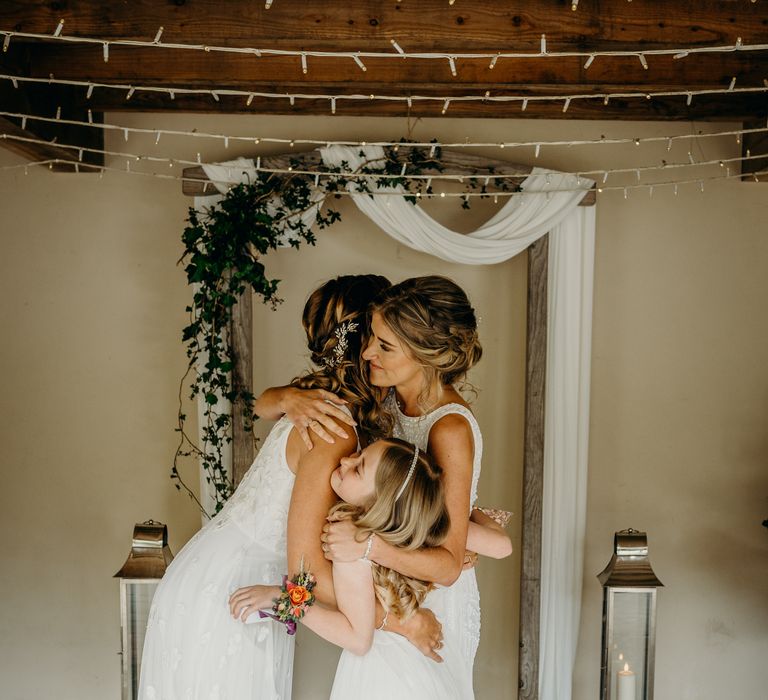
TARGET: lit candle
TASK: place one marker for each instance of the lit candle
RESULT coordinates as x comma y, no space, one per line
626,684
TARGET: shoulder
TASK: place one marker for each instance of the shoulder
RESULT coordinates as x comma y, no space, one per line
451,424
453,433
323,453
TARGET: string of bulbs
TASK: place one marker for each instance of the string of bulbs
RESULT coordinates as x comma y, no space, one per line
398,52
352,174
227,138
487,97
649,187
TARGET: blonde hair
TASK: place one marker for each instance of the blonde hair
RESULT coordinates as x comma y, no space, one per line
341,369
434,320
419,518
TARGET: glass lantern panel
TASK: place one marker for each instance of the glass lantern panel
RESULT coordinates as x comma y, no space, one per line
136,600
631,622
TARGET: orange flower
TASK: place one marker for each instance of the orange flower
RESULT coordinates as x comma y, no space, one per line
298,594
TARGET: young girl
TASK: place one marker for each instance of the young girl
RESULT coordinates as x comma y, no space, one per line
391,491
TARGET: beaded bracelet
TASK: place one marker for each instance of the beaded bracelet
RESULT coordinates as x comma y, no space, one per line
368,548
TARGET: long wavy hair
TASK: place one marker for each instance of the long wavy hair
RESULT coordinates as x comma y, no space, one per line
434,320
343,303
419,518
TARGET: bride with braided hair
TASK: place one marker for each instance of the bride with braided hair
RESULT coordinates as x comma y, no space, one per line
194,649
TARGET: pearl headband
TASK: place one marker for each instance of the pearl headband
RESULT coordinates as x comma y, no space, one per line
410,473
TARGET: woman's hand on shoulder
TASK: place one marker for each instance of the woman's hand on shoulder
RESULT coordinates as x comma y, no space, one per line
309,409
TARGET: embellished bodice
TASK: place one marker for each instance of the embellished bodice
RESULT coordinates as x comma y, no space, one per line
416,429
457,606
260,504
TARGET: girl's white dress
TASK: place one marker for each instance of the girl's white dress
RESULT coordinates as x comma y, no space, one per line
393,668
194,649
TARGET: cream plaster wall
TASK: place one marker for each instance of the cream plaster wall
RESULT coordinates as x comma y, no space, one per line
91,311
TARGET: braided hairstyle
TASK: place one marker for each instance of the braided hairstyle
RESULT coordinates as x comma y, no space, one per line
341,304
419,518
434,320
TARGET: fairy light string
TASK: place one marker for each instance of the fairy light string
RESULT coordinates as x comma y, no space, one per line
398,51
537,145
595,174
649,187
217,92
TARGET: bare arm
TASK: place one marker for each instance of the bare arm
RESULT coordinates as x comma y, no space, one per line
486,537
351,626
305,408
311,499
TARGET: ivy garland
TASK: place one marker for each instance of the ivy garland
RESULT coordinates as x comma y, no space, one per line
224,247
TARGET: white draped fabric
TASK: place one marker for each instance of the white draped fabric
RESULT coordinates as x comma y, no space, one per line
548,204
566,434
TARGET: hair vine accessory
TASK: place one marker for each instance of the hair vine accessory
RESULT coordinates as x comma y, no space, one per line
295,599
342,343
410,472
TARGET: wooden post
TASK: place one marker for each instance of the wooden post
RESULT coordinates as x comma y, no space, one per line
533,470
242,379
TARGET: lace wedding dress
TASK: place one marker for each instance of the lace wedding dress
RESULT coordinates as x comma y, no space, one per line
393,668
194,649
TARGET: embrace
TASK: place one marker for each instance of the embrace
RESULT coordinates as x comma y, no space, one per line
372,529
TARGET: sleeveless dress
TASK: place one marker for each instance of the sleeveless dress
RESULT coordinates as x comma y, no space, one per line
194,649
394,668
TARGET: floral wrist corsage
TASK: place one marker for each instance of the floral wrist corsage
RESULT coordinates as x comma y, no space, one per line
295,599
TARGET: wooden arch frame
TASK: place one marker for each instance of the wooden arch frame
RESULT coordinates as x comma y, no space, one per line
453,162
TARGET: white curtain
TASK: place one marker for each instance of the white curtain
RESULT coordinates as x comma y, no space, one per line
548,204
566,434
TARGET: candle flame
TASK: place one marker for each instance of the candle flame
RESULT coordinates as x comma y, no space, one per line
626,667
621,657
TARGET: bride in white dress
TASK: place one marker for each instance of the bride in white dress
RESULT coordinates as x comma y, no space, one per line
194,649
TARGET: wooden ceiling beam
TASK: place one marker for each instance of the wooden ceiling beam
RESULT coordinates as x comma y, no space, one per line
419,25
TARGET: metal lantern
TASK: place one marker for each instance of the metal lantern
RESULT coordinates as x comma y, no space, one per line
142,571
629,620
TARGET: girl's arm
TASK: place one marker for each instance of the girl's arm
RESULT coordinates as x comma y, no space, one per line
451,444
486,537
351,626
302,407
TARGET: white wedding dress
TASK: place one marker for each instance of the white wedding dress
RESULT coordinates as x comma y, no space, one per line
393,668
194,649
